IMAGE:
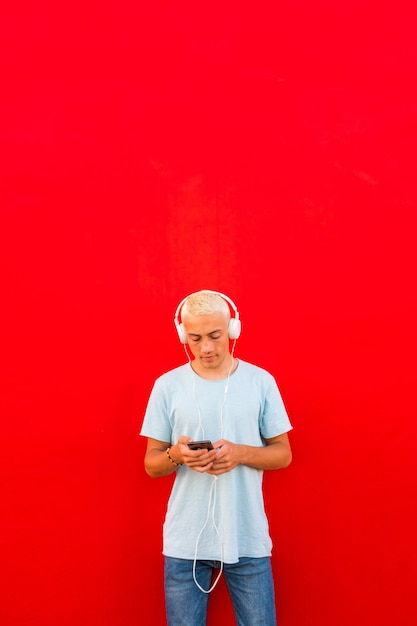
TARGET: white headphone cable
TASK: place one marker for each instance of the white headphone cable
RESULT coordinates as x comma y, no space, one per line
200,425
226,389
212,495
213,488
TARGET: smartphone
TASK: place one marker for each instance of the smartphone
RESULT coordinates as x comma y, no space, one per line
200,445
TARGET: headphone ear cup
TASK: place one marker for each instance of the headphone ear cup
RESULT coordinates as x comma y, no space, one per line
181,333
234,328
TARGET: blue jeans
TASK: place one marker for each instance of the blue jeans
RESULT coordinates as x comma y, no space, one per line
250,584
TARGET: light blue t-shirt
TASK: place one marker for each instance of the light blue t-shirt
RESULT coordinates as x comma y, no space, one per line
224,518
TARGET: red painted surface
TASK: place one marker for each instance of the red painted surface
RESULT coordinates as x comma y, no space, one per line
150,152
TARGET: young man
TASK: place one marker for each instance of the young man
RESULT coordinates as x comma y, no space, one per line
216,520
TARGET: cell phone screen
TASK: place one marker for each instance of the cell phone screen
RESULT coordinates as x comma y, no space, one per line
200,445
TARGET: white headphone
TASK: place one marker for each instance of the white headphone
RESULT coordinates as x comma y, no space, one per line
234,322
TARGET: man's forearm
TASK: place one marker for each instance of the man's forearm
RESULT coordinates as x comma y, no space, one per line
158,463
273,456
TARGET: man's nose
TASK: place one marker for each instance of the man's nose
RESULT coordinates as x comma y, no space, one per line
207,344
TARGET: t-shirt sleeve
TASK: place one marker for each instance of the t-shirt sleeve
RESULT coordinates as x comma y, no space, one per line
156,423
274,418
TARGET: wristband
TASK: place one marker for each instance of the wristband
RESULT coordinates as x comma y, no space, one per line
171,459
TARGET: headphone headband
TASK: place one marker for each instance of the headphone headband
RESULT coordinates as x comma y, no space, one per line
234,322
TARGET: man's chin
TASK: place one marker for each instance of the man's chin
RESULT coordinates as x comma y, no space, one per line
208,361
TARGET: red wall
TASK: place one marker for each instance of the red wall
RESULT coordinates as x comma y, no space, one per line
147,153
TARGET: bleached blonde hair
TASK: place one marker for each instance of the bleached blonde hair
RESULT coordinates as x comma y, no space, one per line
204,302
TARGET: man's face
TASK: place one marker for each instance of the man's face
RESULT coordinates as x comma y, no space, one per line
208,340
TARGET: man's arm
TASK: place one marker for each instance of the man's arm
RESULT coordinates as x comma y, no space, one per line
275,455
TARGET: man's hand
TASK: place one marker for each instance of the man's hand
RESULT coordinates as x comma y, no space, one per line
197,460
227,458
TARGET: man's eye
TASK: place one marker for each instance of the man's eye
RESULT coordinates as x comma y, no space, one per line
215,336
